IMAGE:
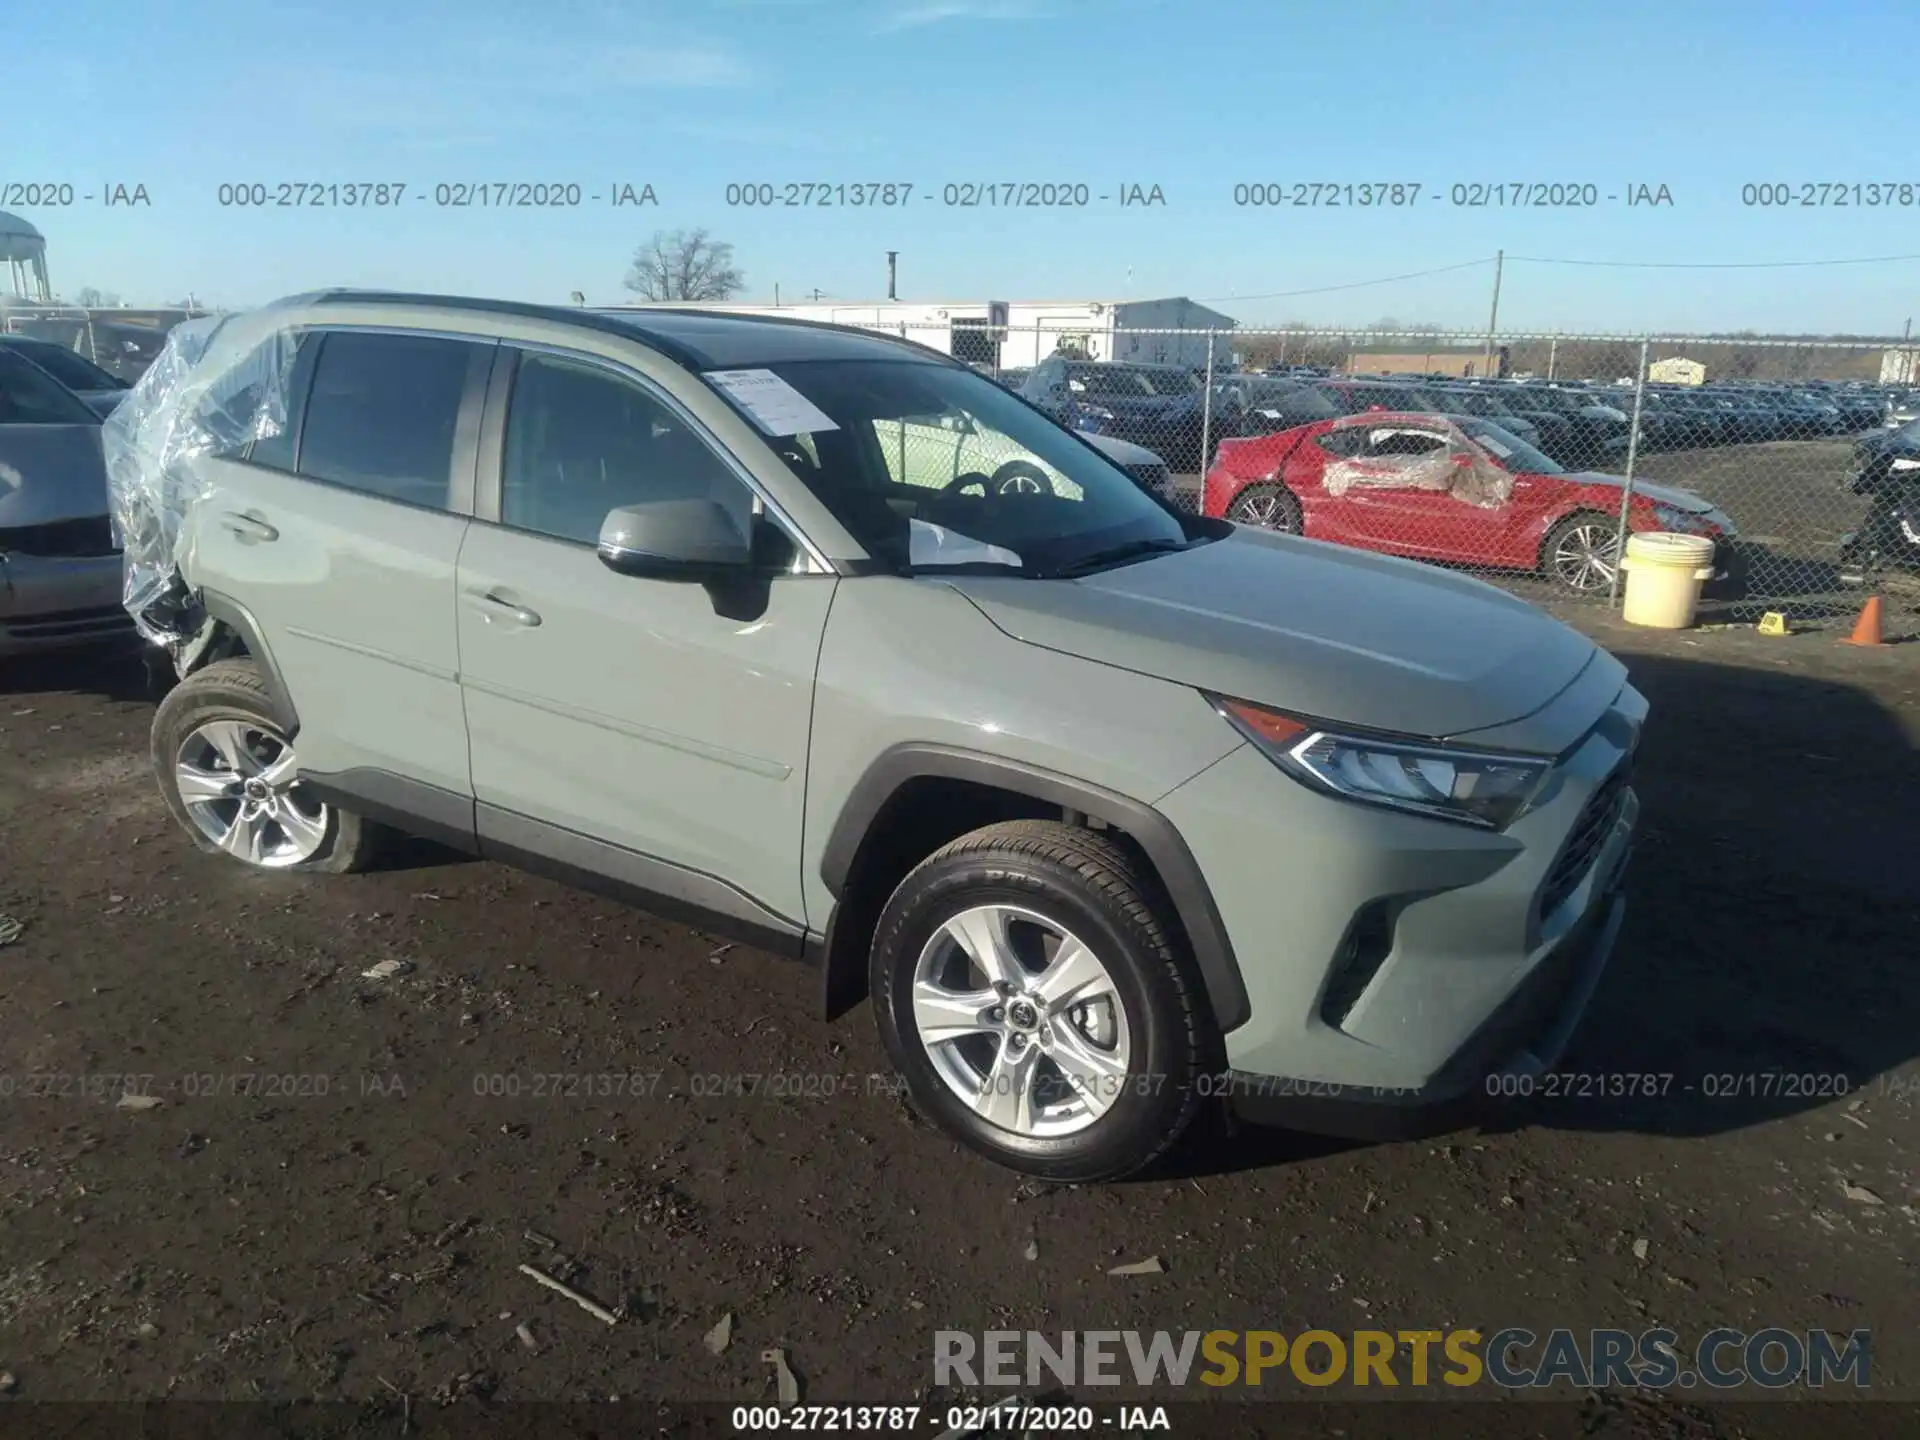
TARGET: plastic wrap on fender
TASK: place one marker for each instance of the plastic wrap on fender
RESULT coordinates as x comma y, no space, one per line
1455,467
189,405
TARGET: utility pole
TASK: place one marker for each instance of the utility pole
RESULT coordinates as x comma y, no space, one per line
893,291
776,294
817,294
1906,352
1493,320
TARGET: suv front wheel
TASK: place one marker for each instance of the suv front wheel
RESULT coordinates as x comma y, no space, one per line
228,772
1028,989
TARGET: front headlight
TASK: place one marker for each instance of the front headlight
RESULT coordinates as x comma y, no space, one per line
1423,777
1683,521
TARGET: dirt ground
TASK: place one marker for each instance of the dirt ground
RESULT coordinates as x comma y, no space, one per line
336,1192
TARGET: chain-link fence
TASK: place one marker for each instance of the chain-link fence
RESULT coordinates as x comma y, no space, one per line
121,341
1528,458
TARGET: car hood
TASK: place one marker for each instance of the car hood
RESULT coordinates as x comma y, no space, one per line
1121,452
50,472
1665,494
1337,634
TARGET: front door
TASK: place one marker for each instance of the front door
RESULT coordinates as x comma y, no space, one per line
626,727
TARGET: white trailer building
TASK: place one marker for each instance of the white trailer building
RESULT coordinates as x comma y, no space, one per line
1011,333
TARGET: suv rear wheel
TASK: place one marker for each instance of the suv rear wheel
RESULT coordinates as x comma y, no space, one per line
1026,986
228,772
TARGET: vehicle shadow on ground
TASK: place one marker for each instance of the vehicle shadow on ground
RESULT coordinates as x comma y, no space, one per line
1767,960
1767,966
124,671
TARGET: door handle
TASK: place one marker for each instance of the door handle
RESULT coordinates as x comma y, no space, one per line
494,606
248,526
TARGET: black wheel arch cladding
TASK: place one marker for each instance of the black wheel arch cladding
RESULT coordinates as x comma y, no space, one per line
1177,871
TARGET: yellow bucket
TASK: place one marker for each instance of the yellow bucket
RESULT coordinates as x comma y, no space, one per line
1664,575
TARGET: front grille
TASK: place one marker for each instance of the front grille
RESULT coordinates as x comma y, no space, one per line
65,624
1590,832
62,539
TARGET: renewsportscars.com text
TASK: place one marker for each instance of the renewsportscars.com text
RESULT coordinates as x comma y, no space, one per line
1514,1359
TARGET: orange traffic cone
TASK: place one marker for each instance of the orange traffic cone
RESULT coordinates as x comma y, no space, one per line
1866,630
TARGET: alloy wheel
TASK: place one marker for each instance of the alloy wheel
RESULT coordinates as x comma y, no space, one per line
1268,511
239,785
1586,556
1021,1021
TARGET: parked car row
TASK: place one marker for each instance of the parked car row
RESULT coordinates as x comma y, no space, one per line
1581,425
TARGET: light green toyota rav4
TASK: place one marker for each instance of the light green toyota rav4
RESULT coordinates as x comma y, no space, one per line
1110,809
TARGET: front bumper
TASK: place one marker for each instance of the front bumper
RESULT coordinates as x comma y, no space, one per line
1395,963
1523,1039
52,602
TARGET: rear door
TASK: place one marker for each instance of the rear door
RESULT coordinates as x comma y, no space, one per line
338,537
642,730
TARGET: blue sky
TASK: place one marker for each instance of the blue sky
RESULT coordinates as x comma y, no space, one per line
1192,95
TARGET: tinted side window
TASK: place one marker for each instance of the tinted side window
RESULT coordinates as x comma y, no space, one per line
382,412
29,396
582,441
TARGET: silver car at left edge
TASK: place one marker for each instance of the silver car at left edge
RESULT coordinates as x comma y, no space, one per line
60,570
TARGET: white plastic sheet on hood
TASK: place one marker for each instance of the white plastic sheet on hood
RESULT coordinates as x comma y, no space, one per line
182,410
1454,466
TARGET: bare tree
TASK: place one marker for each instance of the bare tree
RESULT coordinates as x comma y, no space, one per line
89,297
685,265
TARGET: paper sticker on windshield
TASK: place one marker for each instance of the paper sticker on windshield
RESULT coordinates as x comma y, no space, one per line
776,407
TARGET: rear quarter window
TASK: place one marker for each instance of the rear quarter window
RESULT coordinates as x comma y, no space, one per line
382,413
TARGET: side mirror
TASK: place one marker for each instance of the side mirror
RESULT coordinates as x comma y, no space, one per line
690,540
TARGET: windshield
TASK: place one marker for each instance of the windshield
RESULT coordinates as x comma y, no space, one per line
30,396
1563,402
1357,399
933,467
1299,403
1121,381
76,372
1509,449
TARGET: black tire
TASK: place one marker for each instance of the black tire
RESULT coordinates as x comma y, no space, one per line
1018,476
1088,884
1567,530
236,690
1277,502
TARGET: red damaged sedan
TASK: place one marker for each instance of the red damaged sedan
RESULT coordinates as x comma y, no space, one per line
1454,489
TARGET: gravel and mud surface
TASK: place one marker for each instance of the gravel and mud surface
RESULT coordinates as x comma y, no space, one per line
346,1172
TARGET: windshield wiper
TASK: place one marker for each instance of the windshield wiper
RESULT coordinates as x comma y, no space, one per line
1117,554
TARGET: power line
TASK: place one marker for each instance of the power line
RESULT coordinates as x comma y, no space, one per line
1712,264
1356,285
1560,260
